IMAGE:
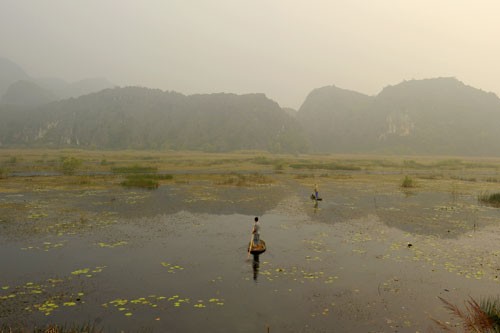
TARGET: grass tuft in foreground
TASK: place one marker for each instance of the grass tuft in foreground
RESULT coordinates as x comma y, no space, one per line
477,317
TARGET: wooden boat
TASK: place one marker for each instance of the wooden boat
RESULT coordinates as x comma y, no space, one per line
257,249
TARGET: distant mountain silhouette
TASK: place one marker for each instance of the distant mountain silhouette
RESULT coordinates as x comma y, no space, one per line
143,118
11,74
440,116
432,116
27,93
64,90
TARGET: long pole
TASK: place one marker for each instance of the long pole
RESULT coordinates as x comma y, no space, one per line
251,245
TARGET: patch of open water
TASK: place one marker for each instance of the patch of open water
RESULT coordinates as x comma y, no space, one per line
178,269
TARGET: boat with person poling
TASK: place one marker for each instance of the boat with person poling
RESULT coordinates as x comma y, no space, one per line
257,248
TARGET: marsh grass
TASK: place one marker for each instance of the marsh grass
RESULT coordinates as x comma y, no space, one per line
148,181
464,179
408,182
83,180
13,160
490,198
303,176
134,169
245,180
477,317
69,165
325,166
430,176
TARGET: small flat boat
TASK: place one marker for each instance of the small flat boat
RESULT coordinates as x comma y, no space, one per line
257,248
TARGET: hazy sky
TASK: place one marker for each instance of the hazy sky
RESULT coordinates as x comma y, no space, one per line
283,48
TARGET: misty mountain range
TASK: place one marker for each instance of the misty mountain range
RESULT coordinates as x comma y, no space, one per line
17,87
433,116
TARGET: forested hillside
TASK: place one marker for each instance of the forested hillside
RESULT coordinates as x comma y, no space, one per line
433,116
143,118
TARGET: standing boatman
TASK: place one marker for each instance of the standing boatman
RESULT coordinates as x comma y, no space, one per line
256,231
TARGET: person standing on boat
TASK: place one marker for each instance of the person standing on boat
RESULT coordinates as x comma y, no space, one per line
256,231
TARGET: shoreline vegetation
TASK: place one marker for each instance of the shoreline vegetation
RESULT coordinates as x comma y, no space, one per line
151,169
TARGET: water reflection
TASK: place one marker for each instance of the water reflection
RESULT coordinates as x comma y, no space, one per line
255,266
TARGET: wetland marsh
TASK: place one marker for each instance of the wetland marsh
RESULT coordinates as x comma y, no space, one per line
373,256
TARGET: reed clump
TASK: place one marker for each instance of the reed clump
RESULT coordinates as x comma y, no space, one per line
490,198
408,182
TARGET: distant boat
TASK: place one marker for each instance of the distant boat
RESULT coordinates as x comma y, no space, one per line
257,249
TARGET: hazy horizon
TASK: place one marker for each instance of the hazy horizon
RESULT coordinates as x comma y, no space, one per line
281,48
